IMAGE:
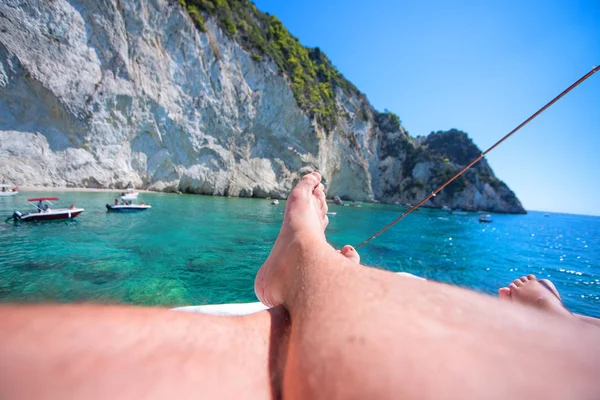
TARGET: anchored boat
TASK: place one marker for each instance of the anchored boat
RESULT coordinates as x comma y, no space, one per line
486,218
130,194
8,190
44,212
125,206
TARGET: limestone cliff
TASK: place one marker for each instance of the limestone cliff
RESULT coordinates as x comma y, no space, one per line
112,93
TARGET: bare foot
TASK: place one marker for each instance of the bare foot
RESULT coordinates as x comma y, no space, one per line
350,253
303,228
504,292
530,291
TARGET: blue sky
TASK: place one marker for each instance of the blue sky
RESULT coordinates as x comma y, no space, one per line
482,67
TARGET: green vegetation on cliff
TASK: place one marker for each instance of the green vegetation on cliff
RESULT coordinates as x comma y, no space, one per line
387,121
312,75
455,146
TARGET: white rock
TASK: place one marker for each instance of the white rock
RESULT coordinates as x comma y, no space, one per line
109,94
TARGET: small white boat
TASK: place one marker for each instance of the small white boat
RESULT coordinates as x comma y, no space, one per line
44,212
446,208
130,194
487,218
8,190
126,205
275,202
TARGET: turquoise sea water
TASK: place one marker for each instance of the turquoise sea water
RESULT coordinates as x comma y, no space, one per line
197,249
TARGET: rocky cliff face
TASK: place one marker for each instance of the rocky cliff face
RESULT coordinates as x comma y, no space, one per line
112,93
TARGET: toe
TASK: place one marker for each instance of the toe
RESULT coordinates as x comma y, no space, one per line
513,286
305,187
311,180
320,194
531,277
524,279
322,203
351,254
325,221
324,209
504,293
517,282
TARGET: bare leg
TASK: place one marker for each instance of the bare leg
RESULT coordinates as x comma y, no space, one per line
589,320
540,294
356,332
366,333
90,352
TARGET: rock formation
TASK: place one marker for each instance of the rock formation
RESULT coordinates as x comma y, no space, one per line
112,93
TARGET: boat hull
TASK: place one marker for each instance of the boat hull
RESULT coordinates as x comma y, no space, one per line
127,208
486,219
6,194
50,216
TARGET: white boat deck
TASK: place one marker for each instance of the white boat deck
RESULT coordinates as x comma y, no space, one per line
244,308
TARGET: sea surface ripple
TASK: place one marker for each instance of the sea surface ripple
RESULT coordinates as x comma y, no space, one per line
203,250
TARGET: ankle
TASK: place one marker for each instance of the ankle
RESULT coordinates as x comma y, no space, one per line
312,266
304,246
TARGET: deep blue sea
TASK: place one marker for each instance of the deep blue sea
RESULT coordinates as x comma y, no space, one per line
192,249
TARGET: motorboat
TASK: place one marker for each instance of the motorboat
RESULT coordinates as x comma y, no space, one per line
487,218
44,212
127,206
8,190
130,194
275,202
446,208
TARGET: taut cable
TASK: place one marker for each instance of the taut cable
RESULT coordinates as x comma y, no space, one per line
462,171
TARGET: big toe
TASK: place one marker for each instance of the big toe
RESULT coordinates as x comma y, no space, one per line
321,202
504,293
304,188
310,181
351,254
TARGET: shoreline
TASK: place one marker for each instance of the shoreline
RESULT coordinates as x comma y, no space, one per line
72,189
116,190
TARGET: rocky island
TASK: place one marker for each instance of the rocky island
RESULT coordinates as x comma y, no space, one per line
210,97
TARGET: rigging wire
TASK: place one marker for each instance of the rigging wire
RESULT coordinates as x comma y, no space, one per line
432,194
